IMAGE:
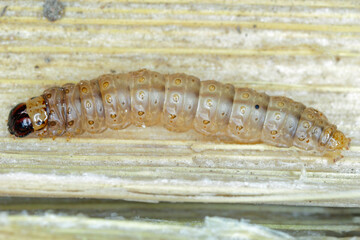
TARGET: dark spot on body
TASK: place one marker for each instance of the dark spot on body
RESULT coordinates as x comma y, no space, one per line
36,67
257,106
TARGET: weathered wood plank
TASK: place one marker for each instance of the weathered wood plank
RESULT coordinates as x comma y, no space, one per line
307,50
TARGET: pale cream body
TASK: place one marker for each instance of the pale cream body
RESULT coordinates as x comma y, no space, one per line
182,102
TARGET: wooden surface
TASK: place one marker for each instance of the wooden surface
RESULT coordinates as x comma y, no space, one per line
307,50
23,218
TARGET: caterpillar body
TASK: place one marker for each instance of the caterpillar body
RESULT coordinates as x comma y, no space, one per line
181,102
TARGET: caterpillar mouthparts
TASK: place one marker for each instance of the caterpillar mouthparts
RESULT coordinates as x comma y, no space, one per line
180,102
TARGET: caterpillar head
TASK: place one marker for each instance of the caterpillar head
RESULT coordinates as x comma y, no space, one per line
28,117
19,122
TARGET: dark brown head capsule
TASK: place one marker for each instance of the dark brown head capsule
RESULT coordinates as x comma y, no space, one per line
19,123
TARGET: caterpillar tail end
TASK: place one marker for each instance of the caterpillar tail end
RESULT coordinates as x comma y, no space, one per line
19,122
336,144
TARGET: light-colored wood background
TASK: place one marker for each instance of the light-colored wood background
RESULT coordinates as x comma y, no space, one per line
112,219
307,50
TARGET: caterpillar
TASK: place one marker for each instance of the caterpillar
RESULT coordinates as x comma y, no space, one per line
180,102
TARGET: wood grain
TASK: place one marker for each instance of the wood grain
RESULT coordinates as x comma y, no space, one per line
307,50
113,219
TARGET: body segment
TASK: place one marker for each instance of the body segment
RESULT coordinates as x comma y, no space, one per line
214,107
281,121
115,92
147,90
248,115
181,101
73,109
55,99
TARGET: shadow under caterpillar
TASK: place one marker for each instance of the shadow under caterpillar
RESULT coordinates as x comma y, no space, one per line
180,102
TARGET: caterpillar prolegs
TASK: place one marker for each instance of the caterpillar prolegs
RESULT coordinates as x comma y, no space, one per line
181,102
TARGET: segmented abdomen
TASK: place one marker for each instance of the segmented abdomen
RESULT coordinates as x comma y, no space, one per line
181,102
